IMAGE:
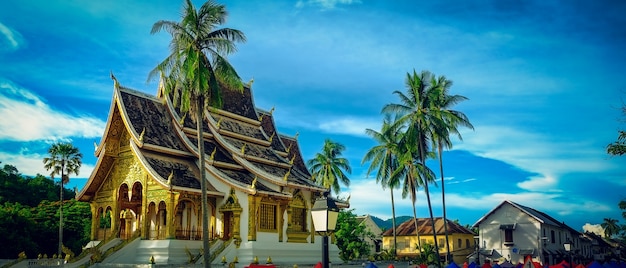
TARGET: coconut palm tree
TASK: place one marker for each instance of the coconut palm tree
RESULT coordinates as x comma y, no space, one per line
328,167
383,157
610,227
64,160
195,72
415,112
445,123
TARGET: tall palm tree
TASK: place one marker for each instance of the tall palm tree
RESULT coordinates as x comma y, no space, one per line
610,227
64,159
445,123
415,111
328,167
195,71
411,172
384,158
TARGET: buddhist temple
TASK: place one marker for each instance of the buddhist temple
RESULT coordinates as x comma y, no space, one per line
146,182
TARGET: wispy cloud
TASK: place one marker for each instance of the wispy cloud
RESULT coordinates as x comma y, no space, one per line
326,4
10,40
26,117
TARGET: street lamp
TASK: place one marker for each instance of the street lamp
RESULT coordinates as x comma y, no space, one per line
324,214
477,248
568,248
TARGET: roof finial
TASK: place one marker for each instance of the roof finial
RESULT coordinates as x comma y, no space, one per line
296,136
249,84
169,178
253,184
219,122
287,175
142,133
116,84
272,110
213,153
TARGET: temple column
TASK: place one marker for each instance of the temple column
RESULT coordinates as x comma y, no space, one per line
95,221
145,223
115,214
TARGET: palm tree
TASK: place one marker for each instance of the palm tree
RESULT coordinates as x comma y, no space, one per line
383,157
195,72
411,173
610,227
445,123
327,168
415,111
64,159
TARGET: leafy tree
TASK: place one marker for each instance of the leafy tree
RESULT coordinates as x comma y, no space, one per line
350,237
328,167
16,227
619,146
415,112
196,70
610,227
444,123
384,158
64,159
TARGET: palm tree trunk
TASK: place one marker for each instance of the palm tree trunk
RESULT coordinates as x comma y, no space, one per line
417,231
393,222
61,212
443,203
422,157
205,206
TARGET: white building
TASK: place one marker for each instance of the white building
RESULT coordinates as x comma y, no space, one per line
513,232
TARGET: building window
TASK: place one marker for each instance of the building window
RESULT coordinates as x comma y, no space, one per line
441,242
298,219
552,237
467,243
267,217
459,243
508,236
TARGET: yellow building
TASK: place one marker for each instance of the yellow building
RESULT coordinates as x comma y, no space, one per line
461,240
146,180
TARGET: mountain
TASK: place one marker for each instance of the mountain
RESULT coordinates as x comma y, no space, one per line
387,224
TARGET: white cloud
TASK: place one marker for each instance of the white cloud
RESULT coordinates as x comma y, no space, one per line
326,4
11,38
26,117
348,125
594,228
31,164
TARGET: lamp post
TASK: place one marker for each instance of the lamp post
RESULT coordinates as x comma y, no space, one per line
568,248
477,248
324,214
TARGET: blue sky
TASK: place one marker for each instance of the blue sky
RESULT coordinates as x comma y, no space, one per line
545,81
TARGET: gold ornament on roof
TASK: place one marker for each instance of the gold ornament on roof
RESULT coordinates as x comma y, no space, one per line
253,185
143,132
272,137
292,159
213,153
287,175
169,178
219,122
243,148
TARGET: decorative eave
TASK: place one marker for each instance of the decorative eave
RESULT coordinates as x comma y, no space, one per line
235,184
135,137
82,195
99,147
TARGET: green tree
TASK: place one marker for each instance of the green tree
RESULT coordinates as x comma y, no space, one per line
444,123
328,167
63,160
610,227
416,111
195,72
350,237
16,227
383,157
619,146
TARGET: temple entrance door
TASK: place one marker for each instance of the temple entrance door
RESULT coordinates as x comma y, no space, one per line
228,225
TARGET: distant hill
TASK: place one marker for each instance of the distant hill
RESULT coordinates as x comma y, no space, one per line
387,224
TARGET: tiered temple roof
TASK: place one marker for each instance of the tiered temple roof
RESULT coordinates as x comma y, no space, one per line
242,146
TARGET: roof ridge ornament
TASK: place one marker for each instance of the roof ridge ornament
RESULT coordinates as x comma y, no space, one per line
272,137
219,122
253,184
287,174
116,84
243,148
213,154
142,133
